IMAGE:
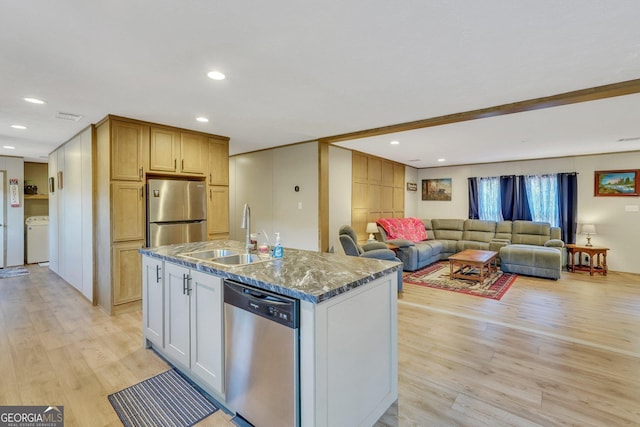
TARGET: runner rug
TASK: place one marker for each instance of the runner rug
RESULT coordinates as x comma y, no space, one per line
437,276
13,272
167,399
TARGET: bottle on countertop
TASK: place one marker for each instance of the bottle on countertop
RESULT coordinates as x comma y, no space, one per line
277,248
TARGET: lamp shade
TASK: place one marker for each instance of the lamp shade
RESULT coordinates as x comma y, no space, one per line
588,229
372,227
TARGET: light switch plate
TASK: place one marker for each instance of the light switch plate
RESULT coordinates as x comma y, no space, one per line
631,208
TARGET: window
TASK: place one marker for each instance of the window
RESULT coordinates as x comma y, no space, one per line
489,200
542,192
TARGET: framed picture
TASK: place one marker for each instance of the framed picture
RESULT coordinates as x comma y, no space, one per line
436,189
616,183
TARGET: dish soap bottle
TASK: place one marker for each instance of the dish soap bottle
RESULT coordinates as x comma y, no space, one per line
277,248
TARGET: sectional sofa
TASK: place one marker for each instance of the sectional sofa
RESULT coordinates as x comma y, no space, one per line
524,247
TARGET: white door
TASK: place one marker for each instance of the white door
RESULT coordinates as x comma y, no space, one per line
3,217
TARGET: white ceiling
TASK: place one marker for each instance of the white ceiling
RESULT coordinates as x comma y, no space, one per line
299,71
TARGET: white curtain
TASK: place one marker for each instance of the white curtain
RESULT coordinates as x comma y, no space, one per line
542,192
489,203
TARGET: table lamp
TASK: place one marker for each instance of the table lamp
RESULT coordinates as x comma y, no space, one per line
588,229
372,228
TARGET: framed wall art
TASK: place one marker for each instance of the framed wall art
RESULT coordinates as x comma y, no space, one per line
436,189
616,183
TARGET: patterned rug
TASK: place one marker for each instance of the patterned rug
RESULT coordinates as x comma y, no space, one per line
13,272
167,399
437,276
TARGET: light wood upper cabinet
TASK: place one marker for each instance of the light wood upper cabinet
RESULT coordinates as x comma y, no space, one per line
175,152
194,153
163,147
127,211
128,150
218,162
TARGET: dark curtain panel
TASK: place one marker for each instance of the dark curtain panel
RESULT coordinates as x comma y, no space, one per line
568,202
473,198
508,196
522,210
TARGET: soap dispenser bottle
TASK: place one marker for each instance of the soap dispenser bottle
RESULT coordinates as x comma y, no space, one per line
277,248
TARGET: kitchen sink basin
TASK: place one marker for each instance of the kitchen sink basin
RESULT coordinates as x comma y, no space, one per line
227,257
210,254
240,259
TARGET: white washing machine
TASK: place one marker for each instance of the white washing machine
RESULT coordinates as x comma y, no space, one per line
37,239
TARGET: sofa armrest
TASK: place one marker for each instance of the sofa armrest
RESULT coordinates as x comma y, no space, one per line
373,246
401,243
496,244
554,243
382,254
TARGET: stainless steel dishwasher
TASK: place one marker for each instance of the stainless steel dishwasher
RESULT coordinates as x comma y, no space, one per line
261,356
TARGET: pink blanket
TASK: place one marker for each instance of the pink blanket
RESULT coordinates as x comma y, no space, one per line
404,228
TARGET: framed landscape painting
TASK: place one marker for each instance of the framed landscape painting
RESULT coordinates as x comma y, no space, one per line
436,189
616,183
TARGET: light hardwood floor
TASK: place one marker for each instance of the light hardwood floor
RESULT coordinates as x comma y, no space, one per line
549,353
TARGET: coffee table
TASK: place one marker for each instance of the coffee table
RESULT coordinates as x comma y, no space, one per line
473,264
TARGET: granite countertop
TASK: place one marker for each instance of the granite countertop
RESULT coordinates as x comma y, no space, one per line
305,275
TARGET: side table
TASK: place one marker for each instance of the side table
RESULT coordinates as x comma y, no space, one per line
595,252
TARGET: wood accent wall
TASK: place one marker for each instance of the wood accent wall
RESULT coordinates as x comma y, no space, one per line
377,191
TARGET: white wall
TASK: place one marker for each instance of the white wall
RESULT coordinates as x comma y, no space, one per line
410,199
71,213
617,229
14,230
266,180
340,166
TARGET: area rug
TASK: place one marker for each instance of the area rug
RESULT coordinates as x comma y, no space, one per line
437,276
13,272
167,399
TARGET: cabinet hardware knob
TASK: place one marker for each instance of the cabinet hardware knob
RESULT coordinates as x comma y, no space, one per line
141,172
175,164
158,274
182,165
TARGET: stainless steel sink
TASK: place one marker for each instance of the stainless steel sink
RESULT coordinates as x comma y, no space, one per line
240,259
227,257
210,254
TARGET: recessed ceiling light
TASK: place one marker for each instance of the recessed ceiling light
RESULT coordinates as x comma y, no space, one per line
18,127
394,142
441,160
34,100
8,147
202,119
413,160
216,75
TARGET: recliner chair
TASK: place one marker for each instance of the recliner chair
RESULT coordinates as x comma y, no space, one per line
375,250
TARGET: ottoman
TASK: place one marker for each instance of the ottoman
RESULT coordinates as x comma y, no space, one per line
531,260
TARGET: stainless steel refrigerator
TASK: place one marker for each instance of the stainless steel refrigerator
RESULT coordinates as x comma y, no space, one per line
176,211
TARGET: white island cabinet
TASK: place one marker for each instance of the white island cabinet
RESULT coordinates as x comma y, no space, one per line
348,325
186,328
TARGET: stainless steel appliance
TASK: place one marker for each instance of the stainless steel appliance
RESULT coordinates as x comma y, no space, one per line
261,356
176,211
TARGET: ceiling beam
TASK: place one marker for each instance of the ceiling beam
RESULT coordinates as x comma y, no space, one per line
583,95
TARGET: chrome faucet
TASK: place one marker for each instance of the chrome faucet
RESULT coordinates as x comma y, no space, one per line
246,224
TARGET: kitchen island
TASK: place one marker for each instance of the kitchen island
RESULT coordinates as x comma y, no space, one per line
348,324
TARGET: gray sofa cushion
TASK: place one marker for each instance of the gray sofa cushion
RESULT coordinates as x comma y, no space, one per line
530,233
448,229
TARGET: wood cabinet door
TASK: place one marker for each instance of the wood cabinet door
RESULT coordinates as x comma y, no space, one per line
207,346
177,335
218,162
163,149
194,153
127,272
153,300
217,211
127,211
127,150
